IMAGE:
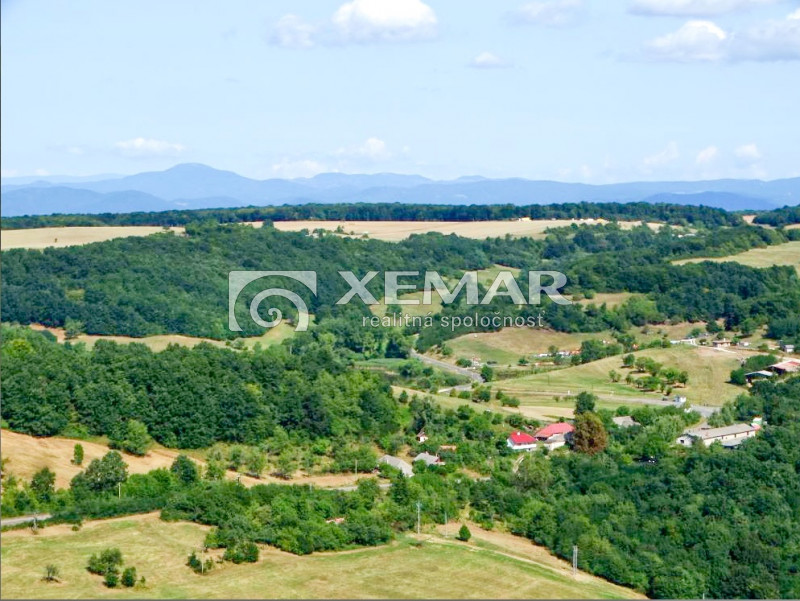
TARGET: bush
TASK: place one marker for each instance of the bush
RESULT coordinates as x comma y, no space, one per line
129,577
112,578
51,573
109,560
464,534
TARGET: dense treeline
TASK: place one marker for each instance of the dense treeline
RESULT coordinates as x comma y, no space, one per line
178,284
191,398
779,217
633,211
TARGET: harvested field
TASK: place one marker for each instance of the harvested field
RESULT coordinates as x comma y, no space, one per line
60,237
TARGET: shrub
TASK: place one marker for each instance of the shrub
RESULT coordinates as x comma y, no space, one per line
464,533
112,578
109,560
51,573
129,577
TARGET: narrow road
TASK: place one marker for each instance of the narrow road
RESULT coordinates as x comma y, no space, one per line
461,371
24,519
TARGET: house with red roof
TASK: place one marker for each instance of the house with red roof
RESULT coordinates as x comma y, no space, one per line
521,441
553,436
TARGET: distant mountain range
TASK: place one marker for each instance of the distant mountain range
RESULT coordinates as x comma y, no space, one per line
194,186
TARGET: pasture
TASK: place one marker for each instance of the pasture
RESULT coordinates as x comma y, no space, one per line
708,369
778,254
436,568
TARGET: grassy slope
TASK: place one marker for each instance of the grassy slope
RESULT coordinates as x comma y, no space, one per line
437,569
708,374
27,454
779,254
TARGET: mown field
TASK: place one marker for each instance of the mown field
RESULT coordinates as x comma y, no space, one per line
778,254
399,230
60,237
488,567
708,370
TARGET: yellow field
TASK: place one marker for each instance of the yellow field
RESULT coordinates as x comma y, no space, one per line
778,254
439,568
400,230
159,342
60,237
708,370
26,455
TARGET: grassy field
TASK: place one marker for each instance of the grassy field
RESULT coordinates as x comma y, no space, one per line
610,299
399,230
778,254
60,237
506,346
159,342
439,568
26,455
708,370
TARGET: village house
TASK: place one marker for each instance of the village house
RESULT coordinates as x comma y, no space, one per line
521,441
787,347
421,436
758,375
723,343
429,459
554,436
397,463
728,436
624,421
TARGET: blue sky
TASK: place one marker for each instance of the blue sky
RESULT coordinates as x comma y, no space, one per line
572,90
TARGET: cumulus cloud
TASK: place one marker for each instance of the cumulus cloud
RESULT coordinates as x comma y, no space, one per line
693,8
360,22
748,153
291,169
707,155
488,60
373,149
147,147
292,32
551,13
699,40
694,41
666,156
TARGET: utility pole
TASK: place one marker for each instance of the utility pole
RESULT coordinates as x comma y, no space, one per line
445,523
574,560
119,490
419,505
356,466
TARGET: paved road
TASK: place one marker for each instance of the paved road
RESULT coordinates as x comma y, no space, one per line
24,519
461,371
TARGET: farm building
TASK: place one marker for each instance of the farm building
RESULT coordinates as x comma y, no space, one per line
789,366
554,436
728,436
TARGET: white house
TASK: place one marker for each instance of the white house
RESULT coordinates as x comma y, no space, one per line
521,441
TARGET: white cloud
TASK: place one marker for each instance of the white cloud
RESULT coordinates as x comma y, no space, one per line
693,8
748,153
666,156
292,32
488,60
373,149
365,21
552,13
694,41
773,40
707,155
146,147
705,41
289,169
75,150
